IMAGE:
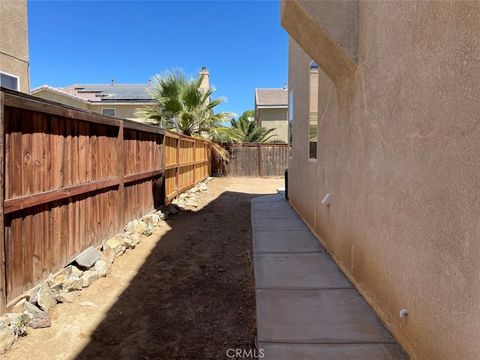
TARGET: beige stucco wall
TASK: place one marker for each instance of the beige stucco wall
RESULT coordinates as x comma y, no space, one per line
274,118
339,19
49,95
14,58
121,111
330,24
399,152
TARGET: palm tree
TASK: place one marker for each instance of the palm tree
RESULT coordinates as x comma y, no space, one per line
246,129
183,105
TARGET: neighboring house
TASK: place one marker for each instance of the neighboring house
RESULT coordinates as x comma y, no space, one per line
14,58
120,100
398,156
271,111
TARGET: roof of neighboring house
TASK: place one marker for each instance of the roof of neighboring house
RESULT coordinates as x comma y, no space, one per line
275,97
103,93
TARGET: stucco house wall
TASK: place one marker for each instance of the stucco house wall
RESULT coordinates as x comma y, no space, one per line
275,119
67,100
399,152
124,111
14,58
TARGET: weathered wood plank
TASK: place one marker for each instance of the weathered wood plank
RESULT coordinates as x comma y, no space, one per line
121,176
37,223
15,174
3,281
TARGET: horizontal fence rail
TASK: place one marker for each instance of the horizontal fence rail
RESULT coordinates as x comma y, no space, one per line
257,159
72,178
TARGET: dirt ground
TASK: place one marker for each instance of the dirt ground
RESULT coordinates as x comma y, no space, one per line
186,292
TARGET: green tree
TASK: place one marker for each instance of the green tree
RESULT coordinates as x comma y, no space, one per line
184,106
247,115
246,129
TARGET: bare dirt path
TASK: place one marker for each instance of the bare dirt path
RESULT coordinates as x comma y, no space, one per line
185,292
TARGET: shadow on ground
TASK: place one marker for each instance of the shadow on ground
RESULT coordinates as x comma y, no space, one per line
194,297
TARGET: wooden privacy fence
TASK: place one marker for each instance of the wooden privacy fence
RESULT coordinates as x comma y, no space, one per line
257,159
187,161
72,178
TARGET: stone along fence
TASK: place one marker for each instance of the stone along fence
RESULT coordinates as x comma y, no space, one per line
73,178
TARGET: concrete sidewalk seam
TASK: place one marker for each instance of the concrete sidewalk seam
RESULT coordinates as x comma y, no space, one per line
295,305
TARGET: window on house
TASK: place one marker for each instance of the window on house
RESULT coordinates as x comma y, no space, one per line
313,110
9,81
290,119
110,112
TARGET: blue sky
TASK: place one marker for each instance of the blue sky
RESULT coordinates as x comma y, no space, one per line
241,43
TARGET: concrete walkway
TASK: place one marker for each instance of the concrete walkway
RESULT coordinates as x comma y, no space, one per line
306,307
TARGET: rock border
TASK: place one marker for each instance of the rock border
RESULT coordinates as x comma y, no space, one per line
31,310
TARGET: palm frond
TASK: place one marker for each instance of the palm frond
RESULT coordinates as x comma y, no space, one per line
183,104
250,131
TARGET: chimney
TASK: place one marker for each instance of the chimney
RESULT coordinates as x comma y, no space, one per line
205,78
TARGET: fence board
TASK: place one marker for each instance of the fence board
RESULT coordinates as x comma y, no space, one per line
3,283
274,159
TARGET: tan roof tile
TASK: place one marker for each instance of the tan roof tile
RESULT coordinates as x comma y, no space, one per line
271,97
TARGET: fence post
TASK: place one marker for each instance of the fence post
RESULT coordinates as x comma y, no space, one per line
208,156
194,163
3,270
163,184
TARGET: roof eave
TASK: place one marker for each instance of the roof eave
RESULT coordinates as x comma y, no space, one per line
100,103
58,92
